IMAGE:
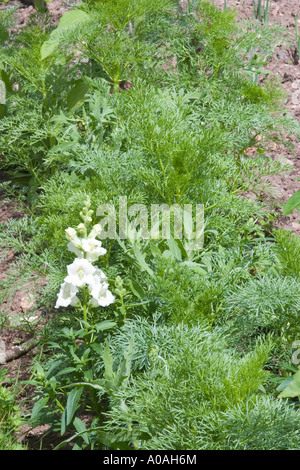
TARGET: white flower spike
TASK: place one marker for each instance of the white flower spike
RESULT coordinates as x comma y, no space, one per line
82,275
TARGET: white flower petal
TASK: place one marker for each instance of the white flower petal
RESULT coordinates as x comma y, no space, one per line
80,272
67,295
96,230
75,248
93,248
101,296
99,275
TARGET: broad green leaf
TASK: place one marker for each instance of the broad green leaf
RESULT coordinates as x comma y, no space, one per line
115,441
40,5
292,203
293,388
72,402
88,375
196,267
108,363
105,325
48,48
98,348
71,18
52,365
80,428
63,423
154,249
6,80
68,19
65,371
76,95
3,34
141,260
136,289
284,384
39,369
77,446
174,249
2,92
38,406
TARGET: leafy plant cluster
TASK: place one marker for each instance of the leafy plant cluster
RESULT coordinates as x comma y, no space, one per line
10,416
141,99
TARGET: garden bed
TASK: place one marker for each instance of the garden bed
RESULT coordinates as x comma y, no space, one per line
247,269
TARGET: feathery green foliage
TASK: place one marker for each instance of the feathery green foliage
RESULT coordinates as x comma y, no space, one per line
9,417
140,99
201,395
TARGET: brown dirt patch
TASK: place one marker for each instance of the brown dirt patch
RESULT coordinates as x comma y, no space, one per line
284,65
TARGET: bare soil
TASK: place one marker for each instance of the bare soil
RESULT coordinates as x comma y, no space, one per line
285,64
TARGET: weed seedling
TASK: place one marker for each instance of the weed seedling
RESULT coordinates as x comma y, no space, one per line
261,10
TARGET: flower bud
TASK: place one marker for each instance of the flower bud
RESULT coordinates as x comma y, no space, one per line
96,230
81,227
70,233
119,282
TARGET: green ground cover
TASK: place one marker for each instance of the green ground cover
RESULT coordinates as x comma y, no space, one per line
137,98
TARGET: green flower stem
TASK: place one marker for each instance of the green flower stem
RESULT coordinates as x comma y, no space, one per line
100,60
84,307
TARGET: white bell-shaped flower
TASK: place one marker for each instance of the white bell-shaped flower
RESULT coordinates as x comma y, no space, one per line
95,232
80,272
75,246
101,296
92,248
67,296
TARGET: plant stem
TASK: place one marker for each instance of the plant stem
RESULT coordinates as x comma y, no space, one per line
84,307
